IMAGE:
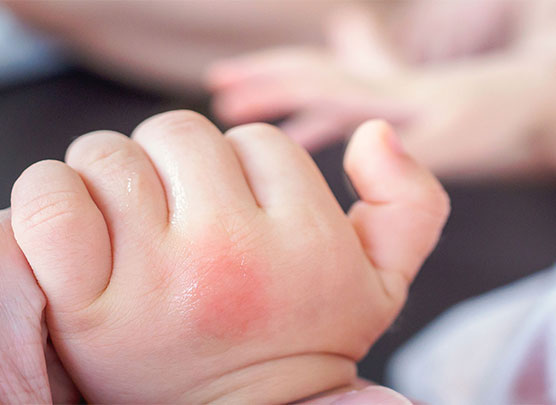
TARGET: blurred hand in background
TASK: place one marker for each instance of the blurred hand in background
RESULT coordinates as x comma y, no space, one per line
465,112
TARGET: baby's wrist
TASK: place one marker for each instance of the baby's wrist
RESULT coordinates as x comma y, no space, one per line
285,380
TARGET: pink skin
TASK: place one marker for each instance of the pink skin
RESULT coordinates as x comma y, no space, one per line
165,287
30,371
237,302
24,371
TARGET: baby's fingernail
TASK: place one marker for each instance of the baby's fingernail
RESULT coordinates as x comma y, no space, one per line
395,143
374,395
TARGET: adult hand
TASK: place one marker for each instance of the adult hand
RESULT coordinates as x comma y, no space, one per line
474,118
323,99
30,371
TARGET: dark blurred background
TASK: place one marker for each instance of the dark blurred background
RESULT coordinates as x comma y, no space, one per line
497,232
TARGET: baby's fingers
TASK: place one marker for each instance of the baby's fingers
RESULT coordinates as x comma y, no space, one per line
403,207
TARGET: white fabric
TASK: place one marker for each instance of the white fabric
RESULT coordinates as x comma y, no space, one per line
498,348
25,54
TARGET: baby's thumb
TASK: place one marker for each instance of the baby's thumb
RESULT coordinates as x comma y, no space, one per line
403,207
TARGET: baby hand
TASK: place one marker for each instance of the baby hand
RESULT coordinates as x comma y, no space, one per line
186,266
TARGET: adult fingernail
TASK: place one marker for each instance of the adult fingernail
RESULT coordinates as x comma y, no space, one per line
374,395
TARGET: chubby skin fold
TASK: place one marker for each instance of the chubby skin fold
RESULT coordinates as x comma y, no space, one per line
183,265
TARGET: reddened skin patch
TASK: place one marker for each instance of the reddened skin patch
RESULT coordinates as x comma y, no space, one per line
223,294
232,299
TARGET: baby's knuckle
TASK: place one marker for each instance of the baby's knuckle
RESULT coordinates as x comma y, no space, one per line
111,159
82,147
173,122
258,130
263,129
